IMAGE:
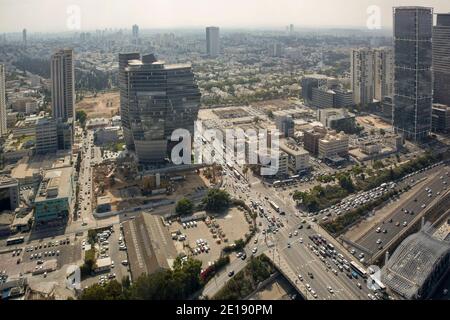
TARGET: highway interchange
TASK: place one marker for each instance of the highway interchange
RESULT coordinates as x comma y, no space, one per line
298,257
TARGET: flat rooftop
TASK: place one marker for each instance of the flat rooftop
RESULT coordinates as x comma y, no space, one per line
292,149
55,184
28,166
149,245
7,181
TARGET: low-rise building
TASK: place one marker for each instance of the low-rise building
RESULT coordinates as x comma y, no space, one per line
333,144
149,245
311,139
298,158
55,195
336,119
97,123
370,148
103,204
106,135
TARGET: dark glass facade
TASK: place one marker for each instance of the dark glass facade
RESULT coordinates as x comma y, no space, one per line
157,99
441,59
413,86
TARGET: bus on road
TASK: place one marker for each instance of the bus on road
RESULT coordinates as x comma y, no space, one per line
277,183
358,269
274,206
16,240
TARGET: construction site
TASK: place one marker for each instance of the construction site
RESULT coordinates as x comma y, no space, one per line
120,185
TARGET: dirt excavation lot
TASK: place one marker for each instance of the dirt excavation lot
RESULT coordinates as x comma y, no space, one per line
103,105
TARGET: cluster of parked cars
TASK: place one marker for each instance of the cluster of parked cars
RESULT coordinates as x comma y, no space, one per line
190,224
44,254
48,245
103,279
121,242
17,252
202,246
3,277
103,242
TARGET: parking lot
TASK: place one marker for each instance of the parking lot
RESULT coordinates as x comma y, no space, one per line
30,258
205,245
109,247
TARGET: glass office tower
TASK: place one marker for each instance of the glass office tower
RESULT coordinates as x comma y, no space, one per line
441,59
156,99
413,86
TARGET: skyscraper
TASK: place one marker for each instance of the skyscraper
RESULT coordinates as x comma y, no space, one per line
3,127
123,88
212,41
413,86
441,59
383,73
362,68
63,87
135,31
156,99
24,36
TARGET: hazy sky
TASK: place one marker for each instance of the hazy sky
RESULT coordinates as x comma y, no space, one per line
52,15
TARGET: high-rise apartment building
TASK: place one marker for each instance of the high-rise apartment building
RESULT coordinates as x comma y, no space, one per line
156,99
383,73
3,122
362,69
24,36
441,59
63,85
212,41
135,31
413,86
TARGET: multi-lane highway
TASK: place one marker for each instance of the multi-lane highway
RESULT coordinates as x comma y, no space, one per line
428,192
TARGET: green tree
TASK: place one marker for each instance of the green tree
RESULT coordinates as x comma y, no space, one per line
184,207
345,181
216,200
81,117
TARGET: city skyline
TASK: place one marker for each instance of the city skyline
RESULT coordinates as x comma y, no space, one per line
102,14
294,161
